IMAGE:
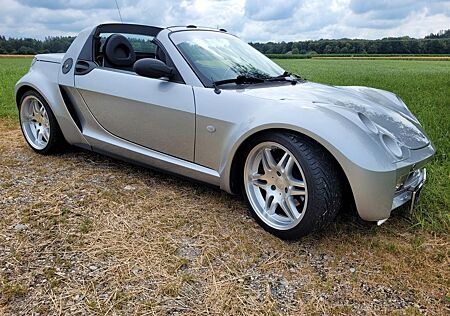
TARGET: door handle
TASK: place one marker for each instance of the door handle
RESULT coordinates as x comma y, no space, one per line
83,67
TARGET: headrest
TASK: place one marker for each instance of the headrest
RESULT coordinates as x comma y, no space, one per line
118,51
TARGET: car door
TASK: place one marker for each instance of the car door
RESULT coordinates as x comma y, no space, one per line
154,113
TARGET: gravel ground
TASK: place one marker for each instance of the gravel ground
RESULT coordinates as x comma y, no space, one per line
83,234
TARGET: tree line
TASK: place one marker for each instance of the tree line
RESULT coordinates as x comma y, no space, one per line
31,46
438,43
432,44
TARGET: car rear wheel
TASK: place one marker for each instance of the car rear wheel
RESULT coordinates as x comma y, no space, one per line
38,124
291,183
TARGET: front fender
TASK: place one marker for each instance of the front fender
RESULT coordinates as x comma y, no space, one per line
370,170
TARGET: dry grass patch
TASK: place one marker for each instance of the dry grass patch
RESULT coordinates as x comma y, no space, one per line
85,234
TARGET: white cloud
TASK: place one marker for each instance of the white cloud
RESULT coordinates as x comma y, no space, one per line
261,10
253,20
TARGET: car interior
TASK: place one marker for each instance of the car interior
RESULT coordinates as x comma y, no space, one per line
121,51
117,52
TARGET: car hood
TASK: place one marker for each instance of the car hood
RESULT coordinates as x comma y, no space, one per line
381,107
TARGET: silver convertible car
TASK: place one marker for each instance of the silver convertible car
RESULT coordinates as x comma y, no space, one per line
201,103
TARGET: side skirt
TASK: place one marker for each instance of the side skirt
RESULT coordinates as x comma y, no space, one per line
117,148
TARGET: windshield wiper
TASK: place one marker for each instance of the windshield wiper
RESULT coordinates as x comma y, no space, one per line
241,79
286,76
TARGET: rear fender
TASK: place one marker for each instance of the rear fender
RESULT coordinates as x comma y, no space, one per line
42,77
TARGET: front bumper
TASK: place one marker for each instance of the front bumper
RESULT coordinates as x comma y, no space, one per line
378,193
409,188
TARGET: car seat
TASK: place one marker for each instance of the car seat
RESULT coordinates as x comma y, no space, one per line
118,53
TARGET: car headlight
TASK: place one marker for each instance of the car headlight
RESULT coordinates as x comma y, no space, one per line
33,62
368,123
392,145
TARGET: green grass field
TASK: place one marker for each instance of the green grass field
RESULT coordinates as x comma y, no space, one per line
11,69
423,85
362,56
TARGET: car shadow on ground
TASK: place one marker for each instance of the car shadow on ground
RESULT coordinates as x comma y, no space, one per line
347,222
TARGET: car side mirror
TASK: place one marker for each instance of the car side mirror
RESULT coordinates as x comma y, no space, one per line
152,68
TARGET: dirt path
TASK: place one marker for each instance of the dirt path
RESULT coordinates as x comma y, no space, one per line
84,234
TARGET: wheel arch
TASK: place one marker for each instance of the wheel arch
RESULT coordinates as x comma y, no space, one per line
21,90
43,80
238,161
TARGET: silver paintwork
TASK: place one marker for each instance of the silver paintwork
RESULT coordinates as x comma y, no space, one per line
163,113
35,122
167,125
277,195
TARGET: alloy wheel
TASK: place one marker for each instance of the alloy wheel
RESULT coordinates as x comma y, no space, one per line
35,122
275,185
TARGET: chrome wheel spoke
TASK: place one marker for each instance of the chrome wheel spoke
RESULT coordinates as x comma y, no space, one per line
36,108
40,135
293,191
259,180
28,118
296,183
46,134
289,208
271,205
267,160
286,164
43,112
34,130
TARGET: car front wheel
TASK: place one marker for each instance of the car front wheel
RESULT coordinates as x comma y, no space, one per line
292,184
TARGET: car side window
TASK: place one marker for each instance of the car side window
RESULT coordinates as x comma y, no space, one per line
142,44
121,50
122,45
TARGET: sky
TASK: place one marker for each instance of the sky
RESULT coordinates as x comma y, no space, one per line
252,20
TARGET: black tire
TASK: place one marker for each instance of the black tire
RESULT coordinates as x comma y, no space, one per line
323,178
56,142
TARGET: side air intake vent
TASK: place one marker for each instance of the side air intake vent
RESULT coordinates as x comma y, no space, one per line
70,107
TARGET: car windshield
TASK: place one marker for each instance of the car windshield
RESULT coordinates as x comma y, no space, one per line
217,56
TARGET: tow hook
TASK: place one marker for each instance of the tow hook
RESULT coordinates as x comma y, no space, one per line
381,221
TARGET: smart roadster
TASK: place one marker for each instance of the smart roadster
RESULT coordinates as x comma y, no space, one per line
201,103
